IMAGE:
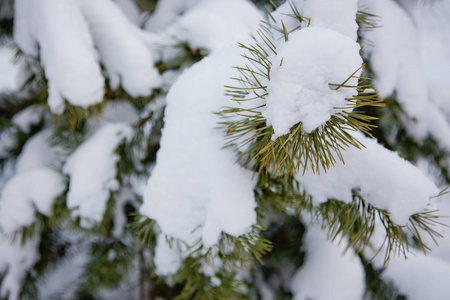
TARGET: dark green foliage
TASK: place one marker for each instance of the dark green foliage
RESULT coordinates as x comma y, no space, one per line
110,260
186,57
202,287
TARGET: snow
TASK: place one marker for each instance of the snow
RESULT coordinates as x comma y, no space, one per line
196,190
71,62
33,186
28,117
299,88
419,277
126,58
131,10
335,15
379,175
167,11
26,192
7,142
16,259
39,153
167,258
329,272
61,281
118,111
92,171
402,56
8,70
225,25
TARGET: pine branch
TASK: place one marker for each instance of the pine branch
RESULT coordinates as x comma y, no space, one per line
246,128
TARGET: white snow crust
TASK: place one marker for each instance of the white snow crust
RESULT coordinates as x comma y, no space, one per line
124,54
167,11
329,271
16,259
8,70
71,62
33,186
38,153
410,52
92,172
196,189
419,276
299,88
216,24
28,117
167,258
335,15
382,177
26,192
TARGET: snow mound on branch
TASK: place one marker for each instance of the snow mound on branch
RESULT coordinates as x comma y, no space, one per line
167,11
196,190
34,185
56,32
63,35
39,153
126,59
28,117
8,70
221,24
328,272
409,58
409,276
299,89
336,15
167,258
16,259
212,24
92,171
26,192
384,179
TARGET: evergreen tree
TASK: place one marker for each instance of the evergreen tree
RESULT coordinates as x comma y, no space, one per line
210,149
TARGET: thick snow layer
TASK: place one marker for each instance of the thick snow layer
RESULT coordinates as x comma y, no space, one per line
124,54
215,24
8,70
336,15
42,29
383,178
131,10
16,259
28,117
92,171
420,277
71,62
39,153
299,89
118,111
328,272
405,56
167,11
26,192
167,259
196,189
34,185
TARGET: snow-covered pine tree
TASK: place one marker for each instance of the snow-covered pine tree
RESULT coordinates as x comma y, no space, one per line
210,149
